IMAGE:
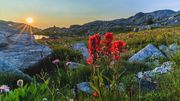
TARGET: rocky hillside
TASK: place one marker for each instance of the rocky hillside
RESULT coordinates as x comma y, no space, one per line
140,21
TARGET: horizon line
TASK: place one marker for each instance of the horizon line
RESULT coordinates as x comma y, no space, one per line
111,19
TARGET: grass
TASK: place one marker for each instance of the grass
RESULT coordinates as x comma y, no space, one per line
55,82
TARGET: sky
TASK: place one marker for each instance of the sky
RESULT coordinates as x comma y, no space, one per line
64,13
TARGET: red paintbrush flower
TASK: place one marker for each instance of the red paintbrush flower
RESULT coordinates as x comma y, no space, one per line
95,94
110,49
94,47
94,42
107,43
116,58
90,59
117,48
109,37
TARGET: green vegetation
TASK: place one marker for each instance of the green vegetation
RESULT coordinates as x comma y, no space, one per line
55,82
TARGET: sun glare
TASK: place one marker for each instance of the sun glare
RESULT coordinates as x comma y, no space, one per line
29,20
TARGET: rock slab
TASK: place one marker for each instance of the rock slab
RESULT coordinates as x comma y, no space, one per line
150,51
171,50
82,48
145,79
19,52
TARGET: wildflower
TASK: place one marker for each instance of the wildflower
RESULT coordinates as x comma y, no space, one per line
107,44
20,83
71,100
117,48
94,48
56,61
116,58
4,88
109,37
68,63
44,99
94,42
95,94
110,50
89,60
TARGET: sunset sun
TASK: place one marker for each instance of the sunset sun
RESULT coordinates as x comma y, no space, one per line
29,20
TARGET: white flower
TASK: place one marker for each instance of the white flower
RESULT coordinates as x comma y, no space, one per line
56,61
44,99
68,63
20,83
71,100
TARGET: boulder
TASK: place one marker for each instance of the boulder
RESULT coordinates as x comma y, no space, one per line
86,88
163,47
21,52
145,79
150,51
82,48
164,68
174,47
171,50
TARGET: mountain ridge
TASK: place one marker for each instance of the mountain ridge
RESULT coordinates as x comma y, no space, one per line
140,20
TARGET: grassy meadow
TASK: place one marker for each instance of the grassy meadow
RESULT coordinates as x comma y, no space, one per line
55,82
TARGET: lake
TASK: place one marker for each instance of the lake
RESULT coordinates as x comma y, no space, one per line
40,36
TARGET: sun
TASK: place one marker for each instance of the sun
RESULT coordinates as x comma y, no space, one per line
29,20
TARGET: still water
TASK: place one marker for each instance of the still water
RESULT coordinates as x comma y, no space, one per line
40,36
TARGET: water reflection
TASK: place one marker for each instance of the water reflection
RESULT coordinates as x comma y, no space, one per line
37,37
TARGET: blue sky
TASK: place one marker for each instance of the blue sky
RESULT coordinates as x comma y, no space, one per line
67,12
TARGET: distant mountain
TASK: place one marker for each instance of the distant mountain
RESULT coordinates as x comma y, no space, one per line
140,20
17,27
